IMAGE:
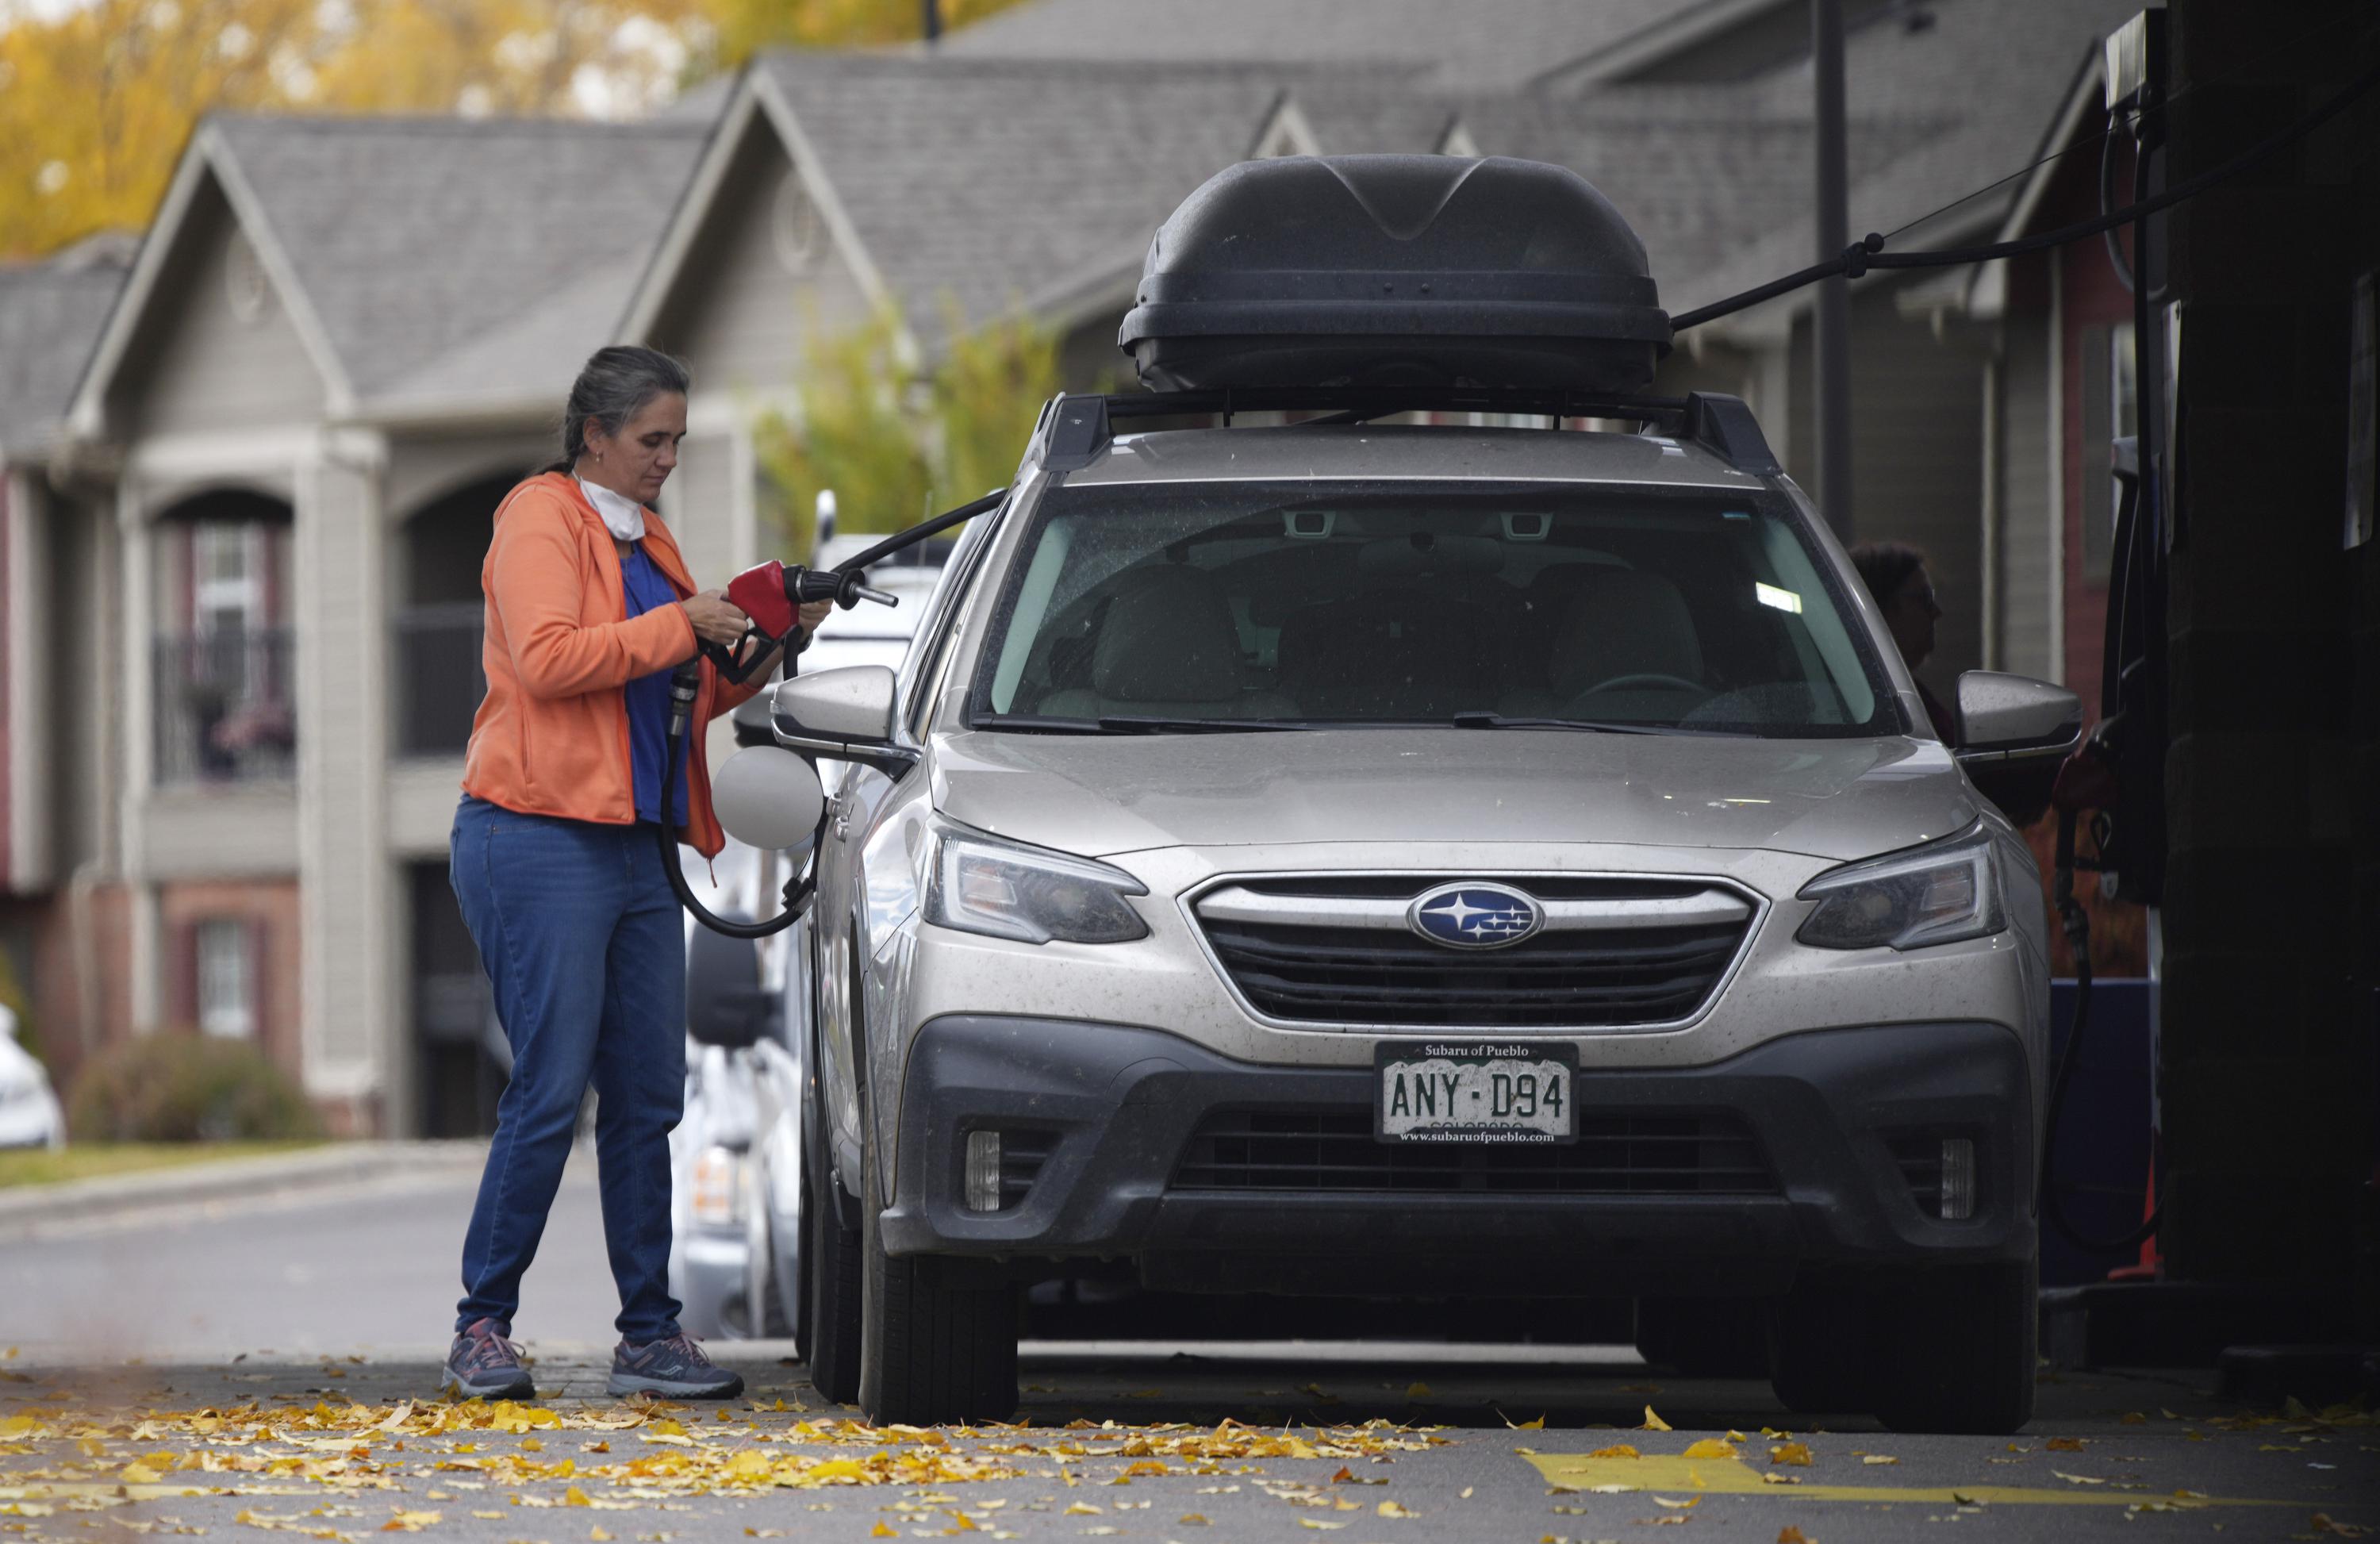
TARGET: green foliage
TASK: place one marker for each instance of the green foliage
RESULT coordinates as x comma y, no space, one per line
897,444
179,1086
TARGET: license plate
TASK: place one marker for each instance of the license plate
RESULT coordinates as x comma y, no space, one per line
1434,1092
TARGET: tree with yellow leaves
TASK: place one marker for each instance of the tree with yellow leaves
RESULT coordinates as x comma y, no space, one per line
97,102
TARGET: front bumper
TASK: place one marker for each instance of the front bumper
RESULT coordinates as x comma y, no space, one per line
1118,1106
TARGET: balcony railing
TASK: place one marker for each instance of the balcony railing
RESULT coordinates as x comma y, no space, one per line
439,679
225,709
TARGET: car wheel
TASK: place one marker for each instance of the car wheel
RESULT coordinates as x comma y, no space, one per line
932,1352
1960,1347
831,1259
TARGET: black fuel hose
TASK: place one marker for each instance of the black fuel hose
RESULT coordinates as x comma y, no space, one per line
686,683
2077,925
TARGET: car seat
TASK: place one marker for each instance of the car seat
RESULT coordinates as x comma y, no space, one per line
1166,647
1625,622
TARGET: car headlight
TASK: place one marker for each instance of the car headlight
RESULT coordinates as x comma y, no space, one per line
1937,894
1006,890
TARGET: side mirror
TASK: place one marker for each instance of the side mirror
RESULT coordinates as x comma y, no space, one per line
2014,733
846,714
768,797
725,1004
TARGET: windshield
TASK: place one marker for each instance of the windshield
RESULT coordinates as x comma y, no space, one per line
1179,607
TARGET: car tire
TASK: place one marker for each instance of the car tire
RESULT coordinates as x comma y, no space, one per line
932,1352
1961,1346
831,1255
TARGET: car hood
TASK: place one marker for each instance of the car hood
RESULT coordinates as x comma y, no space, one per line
1100,795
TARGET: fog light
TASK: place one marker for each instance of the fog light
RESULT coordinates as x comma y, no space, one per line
1957,1179
983,1170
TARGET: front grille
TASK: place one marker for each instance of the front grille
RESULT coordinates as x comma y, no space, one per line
1617,1153
1613,953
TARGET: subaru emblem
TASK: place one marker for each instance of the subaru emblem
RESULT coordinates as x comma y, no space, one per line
1474,915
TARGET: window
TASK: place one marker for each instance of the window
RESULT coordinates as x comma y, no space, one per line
1312,605
227,953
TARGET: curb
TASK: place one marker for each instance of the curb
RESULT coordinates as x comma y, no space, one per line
232,1178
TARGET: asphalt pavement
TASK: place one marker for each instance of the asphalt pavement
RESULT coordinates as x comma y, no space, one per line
269,1365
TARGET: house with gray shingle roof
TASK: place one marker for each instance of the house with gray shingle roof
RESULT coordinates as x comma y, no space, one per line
344,339
53,821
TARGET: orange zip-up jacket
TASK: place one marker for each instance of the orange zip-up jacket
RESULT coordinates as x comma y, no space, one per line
552,737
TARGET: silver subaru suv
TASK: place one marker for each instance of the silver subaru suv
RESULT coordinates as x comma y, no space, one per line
1438,863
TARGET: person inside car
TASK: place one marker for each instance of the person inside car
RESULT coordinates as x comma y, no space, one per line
1895,575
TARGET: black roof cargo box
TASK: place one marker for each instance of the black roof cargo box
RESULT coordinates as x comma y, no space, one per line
1396,270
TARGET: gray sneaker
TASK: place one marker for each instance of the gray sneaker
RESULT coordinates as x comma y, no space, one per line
675,1367
483,1365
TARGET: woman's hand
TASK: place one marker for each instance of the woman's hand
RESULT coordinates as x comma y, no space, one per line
814,613
716,618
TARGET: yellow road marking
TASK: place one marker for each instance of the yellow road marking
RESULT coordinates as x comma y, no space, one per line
1733,1476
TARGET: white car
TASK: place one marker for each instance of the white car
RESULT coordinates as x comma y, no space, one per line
735,1158
30,1116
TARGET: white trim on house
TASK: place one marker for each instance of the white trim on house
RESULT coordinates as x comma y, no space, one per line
1986,287
32,835
756,96
1284,131
1456,140
207,156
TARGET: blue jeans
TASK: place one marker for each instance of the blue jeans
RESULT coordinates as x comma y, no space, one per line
580,935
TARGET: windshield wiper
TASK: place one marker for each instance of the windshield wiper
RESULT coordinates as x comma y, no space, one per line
1126,723
1595,726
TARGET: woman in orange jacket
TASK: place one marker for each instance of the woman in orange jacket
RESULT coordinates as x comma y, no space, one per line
558,867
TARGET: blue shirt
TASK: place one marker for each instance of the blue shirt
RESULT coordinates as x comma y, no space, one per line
649,698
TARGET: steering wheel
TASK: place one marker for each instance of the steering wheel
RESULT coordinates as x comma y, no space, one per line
1643,678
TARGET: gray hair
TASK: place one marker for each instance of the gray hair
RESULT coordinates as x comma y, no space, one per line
614,388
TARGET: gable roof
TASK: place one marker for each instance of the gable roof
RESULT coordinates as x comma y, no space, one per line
1984,79
51,314
984,186
402,246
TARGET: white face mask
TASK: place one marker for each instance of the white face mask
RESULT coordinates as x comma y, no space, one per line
623,517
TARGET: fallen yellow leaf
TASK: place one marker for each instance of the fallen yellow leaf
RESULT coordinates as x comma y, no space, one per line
2063,1444
598,1536
1537,1424
410,1522
2076,1479
1195,1519
1317,1526
1710,1447
1789,1534
1791,1452
575,1497
1654,1422
1392,1509
1677,1506
1878,1458
140,1474
881,1531
1617,1450
1084,1509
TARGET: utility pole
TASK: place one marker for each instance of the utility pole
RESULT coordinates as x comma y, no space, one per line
933,20
1834,319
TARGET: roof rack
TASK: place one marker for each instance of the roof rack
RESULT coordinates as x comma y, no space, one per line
1075,429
